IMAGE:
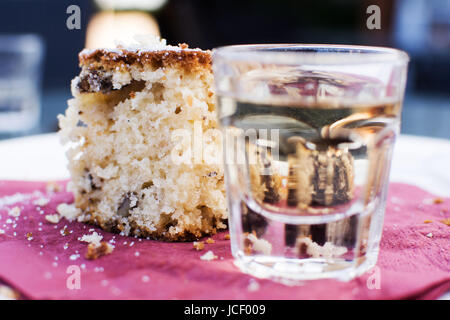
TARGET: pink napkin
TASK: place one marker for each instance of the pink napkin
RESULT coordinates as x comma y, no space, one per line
42,260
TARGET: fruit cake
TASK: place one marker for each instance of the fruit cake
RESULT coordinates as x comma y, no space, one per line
122,130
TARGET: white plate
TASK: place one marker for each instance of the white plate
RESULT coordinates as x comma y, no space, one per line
34,158
421,161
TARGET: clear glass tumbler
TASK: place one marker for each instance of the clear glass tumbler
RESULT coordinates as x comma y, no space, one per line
20,76
308,138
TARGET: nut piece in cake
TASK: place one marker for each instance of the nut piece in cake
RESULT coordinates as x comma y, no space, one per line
128,104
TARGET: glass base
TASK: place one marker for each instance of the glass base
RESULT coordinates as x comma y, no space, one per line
293,271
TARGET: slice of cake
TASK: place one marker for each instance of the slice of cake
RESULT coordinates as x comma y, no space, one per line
123,129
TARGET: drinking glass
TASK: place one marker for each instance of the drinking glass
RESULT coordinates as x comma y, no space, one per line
308,137
20,76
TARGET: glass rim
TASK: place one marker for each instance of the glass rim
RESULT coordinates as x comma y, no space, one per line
310,54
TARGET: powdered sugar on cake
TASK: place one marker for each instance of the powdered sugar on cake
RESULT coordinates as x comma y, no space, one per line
139,44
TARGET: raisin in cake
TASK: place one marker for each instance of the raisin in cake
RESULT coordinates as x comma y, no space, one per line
120,125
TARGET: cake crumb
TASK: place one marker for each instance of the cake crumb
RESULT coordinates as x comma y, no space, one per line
446,221
52,187
68,211
210,241
14,212
53,218
248,250
260,245
199,245
438,200
305,245
95,252
428,221
93,238
208,256
227,237
41,202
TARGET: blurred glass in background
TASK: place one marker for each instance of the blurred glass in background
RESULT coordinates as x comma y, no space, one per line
20,82
422,27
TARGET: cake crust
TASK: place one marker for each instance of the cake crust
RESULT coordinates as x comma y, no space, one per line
188,59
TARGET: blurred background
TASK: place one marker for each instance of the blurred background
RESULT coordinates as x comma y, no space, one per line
39,67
